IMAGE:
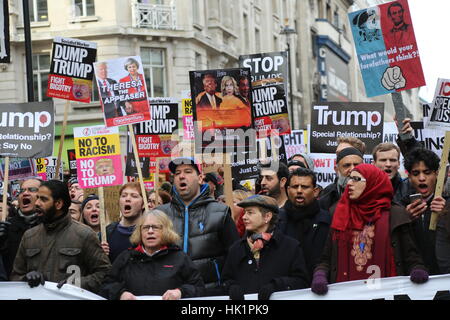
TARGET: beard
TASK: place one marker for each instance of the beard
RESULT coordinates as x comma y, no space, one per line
341,183
273,192
49,215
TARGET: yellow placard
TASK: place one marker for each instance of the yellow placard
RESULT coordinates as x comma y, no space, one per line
97,146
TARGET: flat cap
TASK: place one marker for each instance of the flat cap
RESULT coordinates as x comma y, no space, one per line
260,201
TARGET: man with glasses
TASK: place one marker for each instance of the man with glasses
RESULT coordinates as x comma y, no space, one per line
12,230
346,160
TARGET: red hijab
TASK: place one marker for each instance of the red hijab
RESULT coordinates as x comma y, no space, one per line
372,206
376,198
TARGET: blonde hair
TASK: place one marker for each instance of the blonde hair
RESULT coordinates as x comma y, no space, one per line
241,195
169,235
225,79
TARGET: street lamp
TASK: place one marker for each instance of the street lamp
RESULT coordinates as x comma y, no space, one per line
288,31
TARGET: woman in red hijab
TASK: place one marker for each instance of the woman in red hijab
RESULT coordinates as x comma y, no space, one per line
368,235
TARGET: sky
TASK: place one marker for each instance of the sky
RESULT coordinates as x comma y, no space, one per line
431,26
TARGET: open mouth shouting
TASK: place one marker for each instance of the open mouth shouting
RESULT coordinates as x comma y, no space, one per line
183,186
423,189
127,208
94,218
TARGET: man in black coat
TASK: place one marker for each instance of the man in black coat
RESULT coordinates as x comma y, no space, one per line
205,225
302,218
12,230
265,261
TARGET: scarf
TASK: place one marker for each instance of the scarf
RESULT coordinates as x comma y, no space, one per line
361,227
30,219
256,242
299,218
376,198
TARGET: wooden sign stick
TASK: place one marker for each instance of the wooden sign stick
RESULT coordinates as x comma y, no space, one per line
138,166
5,190
441,179
156,184
101,198
228,180
61,141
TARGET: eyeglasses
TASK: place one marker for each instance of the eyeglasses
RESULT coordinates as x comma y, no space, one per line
155,227
32,189
356,179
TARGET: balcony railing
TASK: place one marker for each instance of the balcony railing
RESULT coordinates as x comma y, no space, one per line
154,16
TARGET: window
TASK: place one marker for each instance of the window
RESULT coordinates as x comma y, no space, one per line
84,8
245,29
329,12
336,19
41,69
320,9
38,10
275,7
198,61
155,71
257,40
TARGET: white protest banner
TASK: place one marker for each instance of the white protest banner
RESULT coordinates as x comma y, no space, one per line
370,289
324,164
98,156
432,139
27,130
71,69
440,107
123,91
49,291
294,143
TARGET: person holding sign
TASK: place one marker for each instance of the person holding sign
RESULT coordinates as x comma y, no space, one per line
139,104
368,234
422,166
156,266
49,251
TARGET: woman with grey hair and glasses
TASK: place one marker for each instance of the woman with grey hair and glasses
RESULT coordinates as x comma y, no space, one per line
137,89
155,266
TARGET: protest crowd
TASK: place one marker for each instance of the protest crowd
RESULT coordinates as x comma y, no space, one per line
183,226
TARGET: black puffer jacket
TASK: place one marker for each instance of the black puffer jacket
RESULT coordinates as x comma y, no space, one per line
206,230
143,275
